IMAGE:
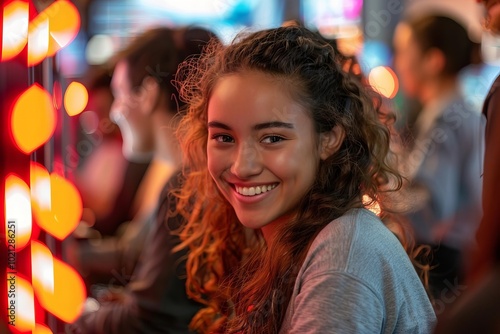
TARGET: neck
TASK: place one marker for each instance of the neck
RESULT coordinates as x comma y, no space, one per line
166,145
436,89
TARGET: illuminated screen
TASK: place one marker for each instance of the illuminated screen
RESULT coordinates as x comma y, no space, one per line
224,17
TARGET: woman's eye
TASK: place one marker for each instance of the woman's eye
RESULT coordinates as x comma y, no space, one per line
272,139
223,138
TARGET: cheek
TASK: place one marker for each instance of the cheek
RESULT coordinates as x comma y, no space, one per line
299,163
409,74
215,162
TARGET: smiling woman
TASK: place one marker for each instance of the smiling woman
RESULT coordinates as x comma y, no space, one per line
280,140
260,139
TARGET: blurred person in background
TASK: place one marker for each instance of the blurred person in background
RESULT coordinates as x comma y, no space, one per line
443,162
107,181
146,107
479,310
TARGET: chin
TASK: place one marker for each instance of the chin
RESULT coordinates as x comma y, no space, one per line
251,221
252,224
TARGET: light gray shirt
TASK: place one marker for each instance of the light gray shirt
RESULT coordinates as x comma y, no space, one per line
357,278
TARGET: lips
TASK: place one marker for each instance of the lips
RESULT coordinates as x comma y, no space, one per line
254,190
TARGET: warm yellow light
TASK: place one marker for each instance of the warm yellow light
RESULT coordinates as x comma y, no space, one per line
373,206
64,24
67,299
33,119
42,267
15,29
20,304
38,40
75,98
41,198
57,204
66,205
17,213
384,80
41,329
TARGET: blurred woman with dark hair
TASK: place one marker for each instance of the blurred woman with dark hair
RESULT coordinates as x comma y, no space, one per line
443,163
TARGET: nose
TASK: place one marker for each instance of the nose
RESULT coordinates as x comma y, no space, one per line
247,161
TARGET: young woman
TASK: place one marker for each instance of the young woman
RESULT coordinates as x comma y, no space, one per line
279,140
444,163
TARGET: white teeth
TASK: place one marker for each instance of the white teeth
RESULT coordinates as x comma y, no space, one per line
252,191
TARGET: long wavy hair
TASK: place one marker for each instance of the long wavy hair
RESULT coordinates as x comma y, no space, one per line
244,286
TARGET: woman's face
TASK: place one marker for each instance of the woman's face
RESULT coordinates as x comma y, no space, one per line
408,61
126,111
262,148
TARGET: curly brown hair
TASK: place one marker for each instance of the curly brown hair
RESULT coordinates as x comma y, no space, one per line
231,270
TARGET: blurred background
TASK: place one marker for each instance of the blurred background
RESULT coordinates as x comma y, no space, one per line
55,56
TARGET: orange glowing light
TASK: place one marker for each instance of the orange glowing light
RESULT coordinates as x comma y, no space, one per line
42,267
57,204
15,29
41,329
17,213
384,80
64,24
75,98
20,304
33,119
38,40
66,294
40,189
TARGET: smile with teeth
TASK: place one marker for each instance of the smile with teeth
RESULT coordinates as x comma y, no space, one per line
252,191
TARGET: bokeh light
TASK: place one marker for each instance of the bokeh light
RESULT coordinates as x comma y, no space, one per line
57,204
373,54
76,98
64,24
17,212
42,267
33,119
38,40
371,205
58,287
41,329
15,29
23,304
384,80
99,49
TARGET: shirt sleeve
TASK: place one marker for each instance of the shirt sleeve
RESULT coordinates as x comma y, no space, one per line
336,303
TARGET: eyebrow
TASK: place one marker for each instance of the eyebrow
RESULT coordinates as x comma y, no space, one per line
260,126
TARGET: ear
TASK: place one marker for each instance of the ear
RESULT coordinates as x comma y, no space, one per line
330,141
150,92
